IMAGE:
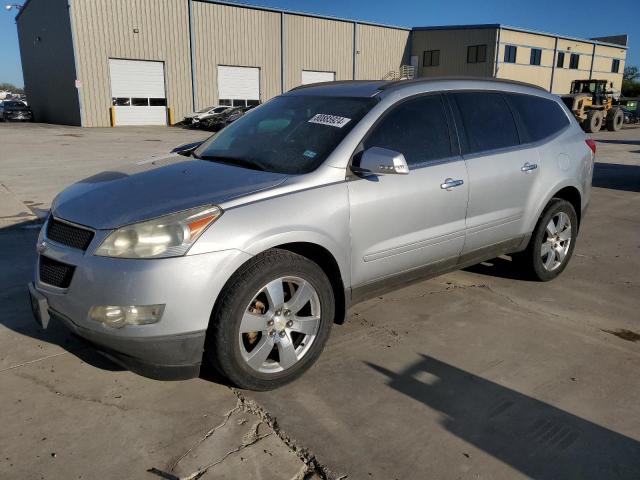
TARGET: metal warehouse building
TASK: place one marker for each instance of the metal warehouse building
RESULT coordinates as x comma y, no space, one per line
157,60
547,60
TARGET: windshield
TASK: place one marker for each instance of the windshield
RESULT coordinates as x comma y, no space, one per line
204,110
289,134
219,109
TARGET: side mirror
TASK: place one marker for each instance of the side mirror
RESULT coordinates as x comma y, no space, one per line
187,148
381,161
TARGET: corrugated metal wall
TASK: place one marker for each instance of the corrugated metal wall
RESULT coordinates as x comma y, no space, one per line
105,29
226,35
46,50
453,51
380,50
317,44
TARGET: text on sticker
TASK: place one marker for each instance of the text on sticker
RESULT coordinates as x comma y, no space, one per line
331,120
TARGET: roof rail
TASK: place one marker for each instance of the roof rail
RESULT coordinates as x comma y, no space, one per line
399,83
333,82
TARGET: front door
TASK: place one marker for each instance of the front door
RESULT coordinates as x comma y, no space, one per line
401,223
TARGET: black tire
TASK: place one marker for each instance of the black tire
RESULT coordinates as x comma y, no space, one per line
531,260
223,348
593,123
615,119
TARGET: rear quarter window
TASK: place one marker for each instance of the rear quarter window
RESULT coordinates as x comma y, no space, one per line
540,117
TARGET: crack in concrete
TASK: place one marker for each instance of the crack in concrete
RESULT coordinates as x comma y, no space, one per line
32,361
251,438
313,465
227,416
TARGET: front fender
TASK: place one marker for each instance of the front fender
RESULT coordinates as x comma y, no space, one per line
316,215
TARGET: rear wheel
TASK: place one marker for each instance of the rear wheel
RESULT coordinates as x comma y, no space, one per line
615,119
273,321
552,241
593,123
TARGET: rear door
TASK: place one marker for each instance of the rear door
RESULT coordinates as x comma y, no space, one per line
400,223
501,173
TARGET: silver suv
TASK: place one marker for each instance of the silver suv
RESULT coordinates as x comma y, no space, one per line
244,250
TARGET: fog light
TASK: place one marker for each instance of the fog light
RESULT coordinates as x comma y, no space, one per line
118,316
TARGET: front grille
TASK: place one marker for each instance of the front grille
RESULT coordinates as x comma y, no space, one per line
69,235
55,273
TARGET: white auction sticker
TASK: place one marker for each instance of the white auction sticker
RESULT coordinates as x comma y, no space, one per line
331,120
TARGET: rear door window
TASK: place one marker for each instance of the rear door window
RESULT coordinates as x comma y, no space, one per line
487,121
540,117
417,128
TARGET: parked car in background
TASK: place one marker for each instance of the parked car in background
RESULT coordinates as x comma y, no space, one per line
15,110
245,250
232,117
196,117
218,122
629,116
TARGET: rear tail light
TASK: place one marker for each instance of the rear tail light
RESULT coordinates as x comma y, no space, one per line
591,144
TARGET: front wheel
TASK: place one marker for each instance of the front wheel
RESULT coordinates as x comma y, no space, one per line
272,322
552,241
615,119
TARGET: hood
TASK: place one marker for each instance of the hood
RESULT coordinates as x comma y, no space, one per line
152,189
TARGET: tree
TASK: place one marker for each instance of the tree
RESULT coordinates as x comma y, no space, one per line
9,87
630,85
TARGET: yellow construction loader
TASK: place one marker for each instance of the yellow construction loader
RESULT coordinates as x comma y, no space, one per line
592,105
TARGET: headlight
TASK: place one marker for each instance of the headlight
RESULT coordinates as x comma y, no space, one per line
168,236
117,316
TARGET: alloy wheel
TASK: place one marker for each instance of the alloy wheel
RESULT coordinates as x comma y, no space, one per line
279,325
556,241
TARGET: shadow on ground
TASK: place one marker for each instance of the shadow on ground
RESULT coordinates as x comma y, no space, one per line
533,437
620,142
617,176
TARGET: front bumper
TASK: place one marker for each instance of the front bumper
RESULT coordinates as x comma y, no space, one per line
175,357
188,287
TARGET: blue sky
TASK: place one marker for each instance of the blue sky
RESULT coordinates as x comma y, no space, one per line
583,18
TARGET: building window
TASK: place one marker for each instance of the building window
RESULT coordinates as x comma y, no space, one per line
477,54
574,61
536,56
510,53
560,61
431,58
226,102
615,66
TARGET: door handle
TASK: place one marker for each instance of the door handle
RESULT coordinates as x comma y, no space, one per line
449,183
529,167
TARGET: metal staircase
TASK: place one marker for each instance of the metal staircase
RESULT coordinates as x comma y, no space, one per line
406,72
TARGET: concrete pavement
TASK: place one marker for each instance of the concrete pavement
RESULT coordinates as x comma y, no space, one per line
475,374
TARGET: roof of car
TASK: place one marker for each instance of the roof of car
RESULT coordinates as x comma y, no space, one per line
370,88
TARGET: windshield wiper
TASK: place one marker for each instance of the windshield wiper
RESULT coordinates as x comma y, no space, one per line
239,162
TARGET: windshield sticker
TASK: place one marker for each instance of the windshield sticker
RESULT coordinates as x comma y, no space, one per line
330,120
309,153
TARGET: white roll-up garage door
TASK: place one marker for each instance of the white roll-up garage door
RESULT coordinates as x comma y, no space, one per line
238,85
311,76
138,92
